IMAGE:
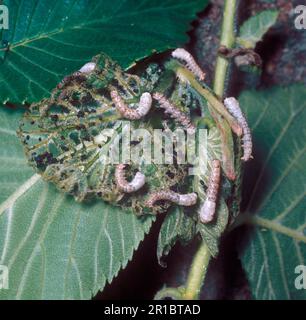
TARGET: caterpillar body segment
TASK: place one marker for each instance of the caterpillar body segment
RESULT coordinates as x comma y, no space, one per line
187,200
144,106
184,55
173,111
125,186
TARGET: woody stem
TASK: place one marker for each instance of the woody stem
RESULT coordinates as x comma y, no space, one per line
197,273
227,39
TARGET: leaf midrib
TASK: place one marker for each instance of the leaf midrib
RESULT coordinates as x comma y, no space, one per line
274,226
19,192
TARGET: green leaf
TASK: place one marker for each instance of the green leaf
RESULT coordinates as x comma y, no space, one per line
50,39
14,169
176,226
211,232
253,30
278,194
54,247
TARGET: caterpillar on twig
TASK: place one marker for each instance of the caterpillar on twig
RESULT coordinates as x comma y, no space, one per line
145,104
184,55
173,111
207,211
233,107
187,200
125,186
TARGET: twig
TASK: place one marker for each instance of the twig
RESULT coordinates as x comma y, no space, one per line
201,260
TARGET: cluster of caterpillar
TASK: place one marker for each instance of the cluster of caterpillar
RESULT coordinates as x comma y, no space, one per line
145,102
207,210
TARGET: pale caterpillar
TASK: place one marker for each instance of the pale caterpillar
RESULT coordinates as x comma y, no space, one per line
88,67
125,186
207,210
182,54
145,104
233,107
187,200
173,111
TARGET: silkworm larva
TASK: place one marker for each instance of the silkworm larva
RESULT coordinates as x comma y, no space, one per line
186,200
144,106
88,67
182,54
233,107
125,186
173,111
208,209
